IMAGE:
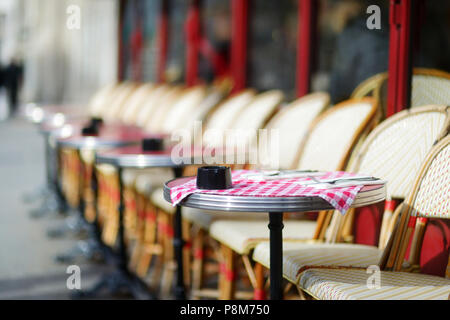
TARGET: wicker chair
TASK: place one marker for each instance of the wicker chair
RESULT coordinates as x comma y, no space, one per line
173,100
430,198
160,97
99,101
121,96
71,163
429,87
244,105
257,110
394,151
347,120
136,102
139,183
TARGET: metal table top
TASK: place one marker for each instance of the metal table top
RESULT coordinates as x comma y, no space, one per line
50,127
368,195
135,157
110,136
55,113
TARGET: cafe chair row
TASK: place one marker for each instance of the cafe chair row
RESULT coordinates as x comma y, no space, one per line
226,255
394,151
428,201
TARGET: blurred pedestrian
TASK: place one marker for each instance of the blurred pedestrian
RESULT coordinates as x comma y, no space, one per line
11,77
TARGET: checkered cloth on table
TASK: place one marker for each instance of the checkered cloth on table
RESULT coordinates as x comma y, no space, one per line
340,198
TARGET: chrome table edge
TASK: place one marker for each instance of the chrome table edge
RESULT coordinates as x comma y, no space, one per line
139,161
93,143
271,204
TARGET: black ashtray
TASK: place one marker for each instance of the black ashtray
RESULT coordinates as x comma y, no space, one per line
214,178
152,144
96,122
89,131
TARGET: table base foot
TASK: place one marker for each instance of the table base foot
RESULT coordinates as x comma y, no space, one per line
84,249
119,282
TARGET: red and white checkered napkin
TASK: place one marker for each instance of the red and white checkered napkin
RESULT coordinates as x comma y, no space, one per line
339,198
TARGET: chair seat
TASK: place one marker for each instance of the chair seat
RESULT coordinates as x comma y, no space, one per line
157,198
148,179
201,218
243,236
106,169
204,219
297,255
143,179
352,284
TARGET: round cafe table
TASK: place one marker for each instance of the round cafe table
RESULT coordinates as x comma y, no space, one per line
275,206
109,136
51,126
54,113
51,131
135,157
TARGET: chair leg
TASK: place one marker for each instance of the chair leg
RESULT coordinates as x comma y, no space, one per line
259,291
159,241
301,294
140,230
186,227
326,223
168,268
148,250
198,247
227,283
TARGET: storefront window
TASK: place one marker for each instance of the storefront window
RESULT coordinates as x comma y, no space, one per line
215,44
432,35
150,51
348,51
177,41
272,45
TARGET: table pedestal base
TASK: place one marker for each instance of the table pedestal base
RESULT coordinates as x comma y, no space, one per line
73,225
121,278
117,282
88,249
276,255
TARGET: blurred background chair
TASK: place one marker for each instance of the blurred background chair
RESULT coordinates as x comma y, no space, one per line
394,152
428,199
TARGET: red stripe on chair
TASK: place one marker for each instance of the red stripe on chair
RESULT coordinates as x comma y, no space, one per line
230,275
199,253
259,294
150,215
165,229
435,247
422,220
115,195
130,204
390,205
367,224
412,222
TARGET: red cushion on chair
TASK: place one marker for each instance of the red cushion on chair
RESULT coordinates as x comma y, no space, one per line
435,248
367,224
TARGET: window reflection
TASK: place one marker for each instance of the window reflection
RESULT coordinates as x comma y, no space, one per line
349,52
177,42
215,44
272,45
432,47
